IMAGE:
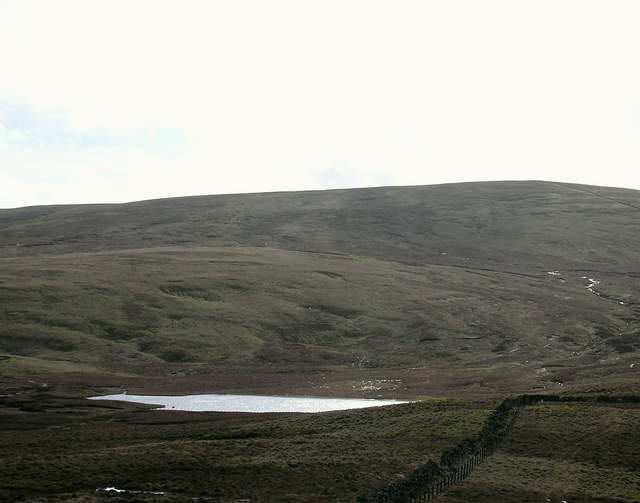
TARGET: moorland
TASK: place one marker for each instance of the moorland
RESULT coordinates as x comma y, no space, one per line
455,295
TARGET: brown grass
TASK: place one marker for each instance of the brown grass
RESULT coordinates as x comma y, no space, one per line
555,452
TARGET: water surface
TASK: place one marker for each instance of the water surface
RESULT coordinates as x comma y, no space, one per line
248,403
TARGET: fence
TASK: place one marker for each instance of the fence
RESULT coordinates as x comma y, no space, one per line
456,463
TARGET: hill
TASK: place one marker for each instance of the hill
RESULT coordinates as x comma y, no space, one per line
476,288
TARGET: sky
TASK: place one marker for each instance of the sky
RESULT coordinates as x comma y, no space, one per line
123,100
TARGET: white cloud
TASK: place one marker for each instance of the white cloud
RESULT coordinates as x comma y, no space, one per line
214,96
24,126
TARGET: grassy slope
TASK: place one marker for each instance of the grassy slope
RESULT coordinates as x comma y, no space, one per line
435,277
562,452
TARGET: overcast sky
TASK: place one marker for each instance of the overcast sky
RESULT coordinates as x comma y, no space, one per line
113,101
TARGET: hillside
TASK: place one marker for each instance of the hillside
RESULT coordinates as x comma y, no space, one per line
478,288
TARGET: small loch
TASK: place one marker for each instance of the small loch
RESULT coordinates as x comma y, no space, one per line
248,403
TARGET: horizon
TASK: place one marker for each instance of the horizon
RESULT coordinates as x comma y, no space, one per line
213,98
311,190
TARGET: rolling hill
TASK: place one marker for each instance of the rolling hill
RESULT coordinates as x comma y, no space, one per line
474,288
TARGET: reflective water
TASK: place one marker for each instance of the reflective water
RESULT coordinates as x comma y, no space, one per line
248,403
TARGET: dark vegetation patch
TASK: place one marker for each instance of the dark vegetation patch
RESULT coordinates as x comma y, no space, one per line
502,345
118,332
173,355
190,291
205,290
330,274
623,342
32,341
343,312
313,332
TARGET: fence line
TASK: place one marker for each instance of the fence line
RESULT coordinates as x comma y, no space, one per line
457,462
